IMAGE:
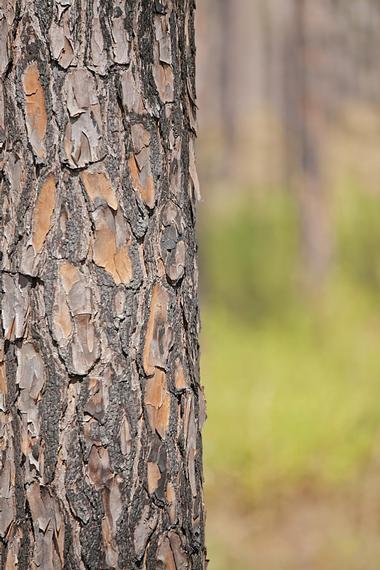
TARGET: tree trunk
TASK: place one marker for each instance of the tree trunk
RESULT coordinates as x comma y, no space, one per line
100,402
304,114
226,85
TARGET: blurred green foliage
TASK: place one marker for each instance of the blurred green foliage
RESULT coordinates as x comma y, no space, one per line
250,256
292,382
357,214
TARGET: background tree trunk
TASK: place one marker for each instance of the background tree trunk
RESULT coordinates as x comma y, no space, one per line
304,125
100,403
226,87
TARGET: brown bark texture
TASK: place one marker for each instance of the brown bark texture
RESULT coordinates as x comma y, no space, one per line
101,408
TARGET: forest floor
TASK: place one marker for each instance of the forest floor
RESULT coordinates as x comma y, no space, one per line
305,532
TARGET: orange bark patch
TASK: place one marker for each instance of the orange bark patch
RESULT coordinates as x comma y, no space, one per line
157,400
3,384
154,475
193,172
142,182
157,337
98,185
165,555
171,499
12,554
49,530
164,78
62,325
115,261
125,437
35,109
3,390
163,416
179,376
155,388
43,213
123,264
112,502
140,137
105,241
99,468
69,275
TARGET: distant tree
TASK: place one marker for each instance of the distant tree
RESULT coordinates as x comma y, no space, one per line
226,89
304,119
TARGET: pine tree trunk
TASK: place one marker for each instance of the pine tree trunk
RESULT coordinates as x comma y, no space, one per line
100,402
305,117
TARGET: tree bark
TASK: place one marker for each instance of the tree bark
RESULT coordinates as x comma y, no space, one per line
100,403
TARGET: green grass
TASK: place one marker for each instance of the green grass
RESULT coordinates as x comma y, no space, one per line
293,385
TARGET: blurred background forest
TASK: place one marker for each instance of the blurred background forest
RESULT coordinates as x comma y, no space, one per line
289,162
